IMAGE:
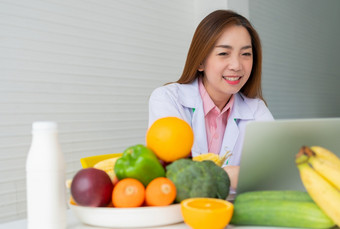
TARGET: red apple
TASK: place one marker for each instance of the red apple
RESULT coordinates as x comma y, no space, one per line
91,187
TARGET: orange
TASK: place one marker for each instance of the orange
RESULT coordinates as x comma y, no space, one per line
128,193
170,138
202,213
160,192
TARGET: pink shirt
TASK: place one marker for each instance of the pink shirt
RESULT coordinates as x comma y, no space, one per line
215,120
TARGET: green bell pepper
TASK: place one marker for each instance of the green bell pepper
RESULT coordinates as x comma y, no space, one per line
139,162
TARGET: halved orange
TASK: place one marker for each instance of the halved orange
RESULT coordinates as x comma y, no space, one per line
202,213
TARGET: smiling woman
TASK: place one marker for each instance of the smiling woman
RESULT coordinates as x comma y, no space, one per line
219,90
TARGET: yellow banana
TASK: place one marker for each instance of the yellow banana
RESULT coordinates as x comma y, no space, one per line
321,152
327,169
325,195
323,161
319,175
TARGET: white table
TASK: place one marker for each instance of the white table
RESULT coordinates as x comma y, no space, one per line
74,223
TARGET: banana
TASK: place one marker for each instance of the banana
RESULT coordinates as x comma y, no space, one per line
324,194
324,162
107,166
321,152
327,169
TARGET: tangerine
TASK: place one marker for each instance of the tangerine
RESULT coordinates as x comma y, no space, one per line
160,192
128,193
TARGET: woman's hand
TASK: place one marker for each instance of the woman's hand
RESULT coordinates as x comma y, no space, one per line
233,172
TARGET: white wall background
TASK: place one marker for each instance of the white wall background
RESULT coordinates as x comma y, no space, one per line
91,65
301,74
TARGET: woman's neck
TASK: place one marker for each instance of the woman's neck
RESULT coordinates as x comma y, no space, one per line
219,99
221,103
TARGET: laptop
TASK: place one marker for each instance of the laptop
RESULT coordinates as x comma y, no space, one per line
269,149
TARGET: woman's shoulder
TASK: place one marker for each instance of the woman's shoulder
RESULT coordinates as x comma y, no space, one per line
176,90
257,106
168,89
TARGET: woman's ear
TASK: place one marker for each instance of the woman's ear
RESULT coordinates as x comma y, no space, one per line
201,68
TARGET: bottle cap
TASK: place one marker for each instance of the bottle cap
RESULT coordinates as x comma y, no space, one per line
44,126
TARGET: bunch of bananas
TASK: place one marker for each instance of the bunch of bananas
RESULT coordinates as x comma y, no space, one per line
320,174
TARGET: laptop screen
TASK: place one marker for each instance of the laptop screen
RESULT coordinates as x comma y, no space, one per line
269,150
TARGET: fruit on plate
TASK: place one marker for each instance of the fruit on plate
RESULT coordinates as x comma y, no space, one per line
140,163
170,138
107,166
91,187
212,157
279,208
198,179
320,174
202,213
160,192
128,193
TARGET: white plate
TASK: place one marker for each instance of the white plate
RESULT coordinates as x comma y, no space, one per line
129,217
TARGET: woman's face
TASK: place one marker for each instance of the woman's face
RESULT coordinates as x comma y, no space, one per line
228,66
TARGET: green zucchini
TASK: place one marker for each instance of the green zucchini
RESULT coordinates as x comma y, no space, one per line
274,195
281,213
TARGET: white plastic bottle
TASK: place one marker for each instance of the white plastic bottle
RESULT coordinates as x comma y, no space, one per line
45,181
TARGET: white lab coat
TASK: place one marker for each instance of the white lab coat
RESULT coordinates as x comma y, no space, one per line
184,101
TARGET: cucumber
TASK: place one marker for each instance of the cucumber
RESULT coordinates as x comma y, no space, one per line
281,213
274,195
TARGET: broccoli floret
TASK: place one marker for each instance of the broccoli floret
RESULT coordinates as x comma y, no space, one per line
202,185
179,173
221,177
197,179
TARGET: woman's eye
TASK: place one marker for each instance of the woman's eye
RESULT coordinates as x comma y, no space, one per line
246,54
223,54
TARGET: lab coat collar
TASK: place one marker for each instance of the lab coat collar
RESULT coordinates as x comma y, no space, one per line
240,109
189,97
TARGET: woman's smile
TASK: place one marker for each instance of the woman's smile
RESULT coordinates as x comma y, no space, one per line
233,80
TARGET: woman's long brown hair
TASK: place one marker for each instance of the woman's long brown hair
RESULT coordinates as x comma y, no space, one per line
204,39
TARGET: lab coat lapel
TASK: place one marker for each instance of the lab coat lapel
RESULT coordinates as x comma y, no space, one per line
240,111
200,135
190,97
230,136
